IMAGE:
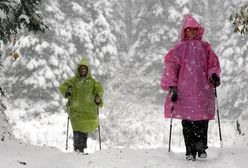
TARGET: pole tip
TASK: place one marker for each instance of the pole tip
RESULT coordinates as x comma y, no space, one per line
221,144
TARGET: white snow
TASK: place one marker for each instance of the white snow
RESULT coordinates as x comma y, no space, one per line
101,21
40,47
27,41
53,7
185,11
157,10
49,73
54,61
77,8
25,17
2,15
173,14
182,2
57,49
15,154
109,49
32,64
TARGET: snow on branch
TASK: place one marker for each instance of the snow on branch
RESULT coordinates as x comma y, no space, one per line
20,14
240,19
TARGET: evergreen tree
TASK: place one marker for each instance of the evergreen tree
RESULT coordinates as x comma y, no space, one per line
239,19
16,15
103,39
236,68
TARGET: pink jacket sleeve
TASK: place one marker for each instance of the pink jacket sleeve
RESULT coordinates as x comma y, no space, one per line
213,63
170,74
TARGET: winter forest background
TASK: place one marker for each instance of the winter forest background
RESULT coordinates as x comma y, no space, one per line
125,42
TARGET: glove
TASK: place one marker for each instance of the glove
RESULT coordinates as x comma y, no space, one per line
173,92
215,80
68,92
97,100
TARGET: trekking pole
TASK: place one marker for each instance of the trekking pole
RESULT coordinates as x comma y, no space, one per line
99,131
67,131
172,108
218,116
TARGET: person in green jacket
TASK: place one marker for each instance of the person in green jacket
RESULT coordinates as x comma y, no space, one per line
84,95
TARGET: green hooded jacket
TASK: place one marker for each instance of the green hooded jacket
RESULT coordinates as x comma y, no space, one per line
81,105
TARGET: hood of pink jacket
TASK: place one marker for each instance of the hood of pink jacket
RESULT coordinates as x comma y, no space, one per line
191,22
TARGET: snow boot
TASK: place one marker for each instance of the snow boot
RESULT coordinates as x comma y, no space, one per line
81,152
202,154
190,157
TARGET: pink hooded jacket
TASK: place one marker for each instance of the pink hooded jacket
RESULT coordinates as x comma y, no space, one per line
188,66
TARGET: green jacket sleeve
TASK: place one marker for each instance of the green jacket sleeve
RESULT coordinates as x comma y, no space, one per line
65,85
98,90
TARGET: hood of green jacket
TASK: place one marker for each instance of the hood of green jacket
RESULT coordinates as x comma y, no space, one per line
83,61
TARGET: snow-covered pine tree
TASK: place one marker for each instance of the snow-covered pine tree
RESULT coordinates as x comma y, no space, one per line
239,19
16,16
214,11
103,53
5,129
235,50
230,49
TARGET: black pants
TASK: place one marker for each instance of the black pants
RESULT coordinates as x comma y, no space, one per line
79,141
195,135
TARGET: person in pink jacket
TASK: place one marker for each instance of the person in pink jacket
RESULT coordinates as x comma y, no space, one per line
192,71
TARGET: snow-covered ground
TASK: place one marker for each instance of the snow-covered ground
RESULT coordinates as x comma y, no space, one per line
15,154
